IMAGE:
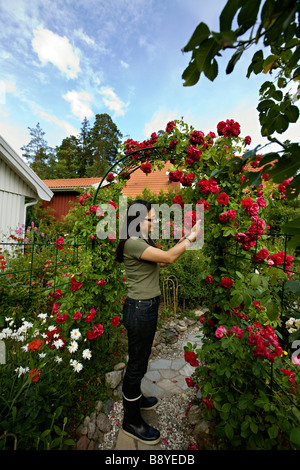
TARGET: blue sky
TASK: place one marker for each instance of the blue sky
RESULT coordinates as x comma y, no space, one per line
62,60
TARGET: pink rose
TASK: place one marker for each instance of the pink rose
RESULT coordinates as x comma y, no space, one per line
221,331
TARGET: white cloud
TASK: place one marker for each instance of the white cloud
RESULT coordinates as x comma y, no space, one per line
67,128
56,49
159,121
84,37
124,64
80,104
112,101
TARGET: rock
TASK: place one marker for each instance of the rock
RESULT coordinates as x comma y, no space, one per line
203,436
120,366
81,430
107,406
195,414
103,423
82,443
91,429
98,405
113,378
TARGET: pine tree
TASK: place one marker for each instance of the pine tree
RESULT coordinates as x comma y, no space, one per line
41,157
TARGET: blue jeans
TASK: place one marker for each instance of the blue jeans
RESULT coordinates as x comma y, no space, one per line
140,320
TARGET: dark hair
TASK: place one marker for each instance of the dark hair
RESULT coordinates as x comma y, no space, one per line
131,215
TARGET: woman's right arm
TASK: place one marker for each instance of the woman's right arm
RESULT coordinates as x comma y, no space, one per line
160,256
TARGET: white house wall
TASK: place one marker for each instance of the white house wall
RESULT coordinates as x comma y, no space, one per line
13,191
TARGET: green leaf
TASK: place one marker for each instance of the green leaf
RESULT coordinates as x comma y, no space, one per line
228,13
191,74
256,64
292,113
272,310
201,32
295,436
265,104
236,300
273,431
205,58
229,431
253,427
248,14
234,59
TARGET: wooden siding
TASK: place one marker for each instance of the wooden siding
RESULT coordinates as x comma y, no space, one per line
61,203
13,191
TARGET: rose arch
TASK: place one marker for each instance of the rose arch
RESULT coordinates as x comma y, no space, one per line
246,359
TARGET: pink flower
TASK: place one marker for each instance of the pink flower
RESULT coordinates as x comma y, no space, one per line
221,331
235,330
77,316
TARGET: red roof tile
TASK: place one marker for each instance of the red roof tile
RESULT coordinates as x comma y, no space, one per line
155,181
71,182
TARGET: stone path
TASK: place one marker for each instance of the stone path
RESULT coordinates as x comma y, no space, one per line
164,377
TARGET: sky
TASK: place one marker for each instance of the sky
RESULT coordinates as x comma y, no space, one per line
63,60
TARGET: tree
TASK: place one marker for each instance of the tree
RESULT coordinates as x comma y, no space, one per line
68,158
39,154
278,28
105,139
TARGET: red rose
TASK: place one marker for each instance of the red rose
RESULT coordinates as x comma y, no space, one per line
61,318
146,167
175,175
95,332
77,316
115,321
205,204
223,199
226,282
209,279
223,218
110,177
190,357
170,126
178,200
60,243
75,285
56,294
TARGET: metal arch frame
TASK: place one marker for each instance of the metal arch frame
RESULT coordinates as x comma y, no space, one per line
156,149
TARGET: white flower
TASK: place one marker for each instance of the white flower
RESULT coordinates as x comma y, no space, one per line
76,365
75,334
6,333
58,343
58,359
86,354
42,355
21,370
73,347
43,317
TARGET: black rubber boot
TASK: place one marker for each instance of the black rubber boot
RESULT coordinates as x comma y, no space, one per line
148,403
135,426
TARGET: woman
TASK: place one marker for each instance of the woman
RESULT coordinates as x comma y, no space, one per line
142,260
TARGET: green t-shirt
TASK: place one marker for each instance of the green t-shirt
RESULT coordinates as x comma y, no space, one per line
142,276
